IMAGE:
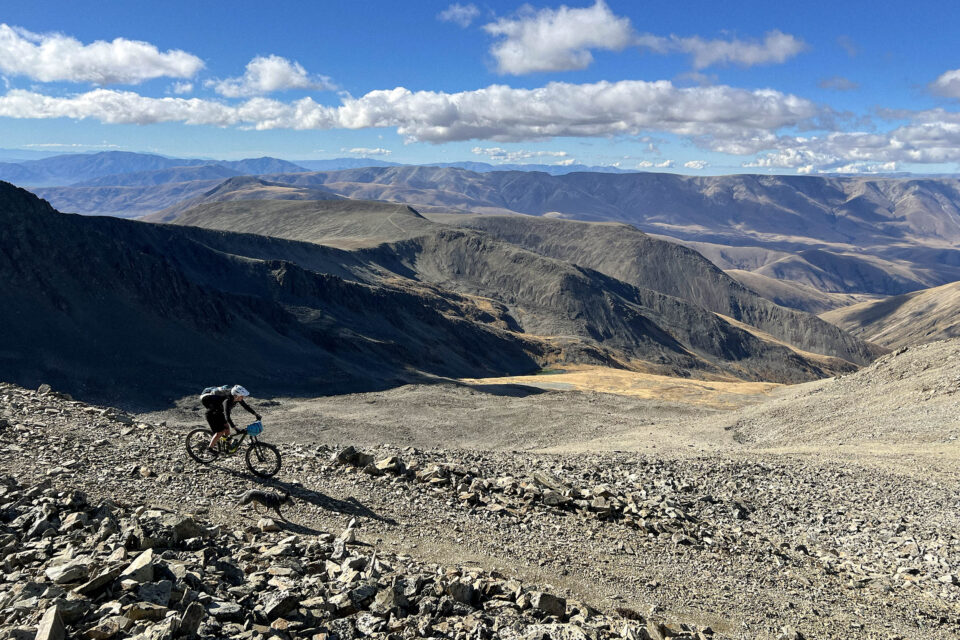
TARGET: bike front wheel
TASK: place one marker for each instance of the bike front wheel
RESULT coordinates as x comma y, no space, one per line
263,459
198,446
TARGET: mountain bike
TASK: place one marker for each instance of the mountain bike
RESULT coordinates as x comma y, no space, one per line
262,459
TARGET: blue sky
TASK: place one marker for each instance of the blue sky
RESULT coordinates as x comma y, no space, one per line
850,87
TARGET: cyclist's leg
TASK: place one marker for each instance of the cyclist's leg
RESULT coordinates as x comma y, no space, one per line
218,425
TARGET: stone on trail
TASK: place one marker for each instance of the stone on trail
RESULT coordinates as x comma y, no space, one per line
268,525
278,603
51,625
191,619
73,571
156,592
548,603
146,611
141,569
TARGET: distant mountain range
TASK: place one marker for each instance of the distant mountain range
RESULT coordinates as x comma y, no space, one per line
856,237
93,169
125,168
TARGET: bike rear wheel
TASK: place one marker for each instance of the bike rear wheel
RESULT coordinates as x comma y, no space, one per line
198,446
263,459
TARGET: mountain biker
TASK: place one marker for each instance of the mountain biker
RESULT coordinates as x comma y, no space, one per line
219,403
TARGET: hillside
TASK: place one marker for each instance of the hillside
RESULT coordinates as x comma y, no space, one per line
898,321
905,396
123,202
796,295
873,236
242,188
877,236
546,296
632,256
337,222
174,307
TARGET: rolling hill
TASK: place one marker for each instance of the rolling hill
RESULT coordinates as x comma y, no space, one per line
845,235
547,295
898,321
623,252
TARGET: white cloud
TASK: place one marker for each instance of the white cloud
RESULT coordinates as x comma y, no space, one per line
838,83
696,164
713,116
776,47
460,14
863,168
71,145
266,74
556,39
648,164
181,88
948,84
54,57
499,154
367,151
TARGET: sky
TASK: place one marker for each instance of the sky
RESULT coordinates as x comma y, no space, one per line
693,87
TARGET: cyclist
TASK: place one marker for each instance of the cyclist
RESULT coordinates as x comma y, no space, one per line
219,402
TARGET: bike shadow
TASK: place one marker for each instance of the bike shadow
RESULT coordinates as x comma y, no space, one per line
351,506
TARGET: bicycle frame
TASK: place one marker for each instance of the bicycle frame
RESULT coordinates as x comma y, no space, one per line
243,436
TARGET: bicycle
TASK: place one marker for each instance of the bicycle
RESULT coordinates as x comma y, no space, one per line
262,459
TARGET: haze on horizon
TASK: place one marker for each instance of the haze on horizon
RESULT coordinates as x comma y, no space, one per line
758,89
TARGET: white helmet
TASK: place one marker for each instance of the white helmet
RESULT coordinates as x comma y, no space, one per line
239,391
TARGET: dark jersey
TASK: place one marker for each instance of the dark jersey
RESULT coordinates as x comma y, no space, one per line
223,405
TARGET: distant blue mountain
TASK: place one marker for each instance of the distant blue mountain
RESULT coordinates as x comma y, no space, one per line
125,168
20,155
96,168
338,164
552,169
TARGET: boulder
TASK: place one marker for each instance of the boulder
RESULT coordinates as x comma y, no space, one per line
141,569
51,625
548,603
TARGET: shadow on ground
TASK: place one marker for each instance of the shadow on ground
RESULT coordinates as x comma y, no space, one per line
351,506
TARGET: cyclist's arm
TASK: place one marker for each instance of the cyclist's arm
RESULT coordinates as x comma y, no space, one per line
244,405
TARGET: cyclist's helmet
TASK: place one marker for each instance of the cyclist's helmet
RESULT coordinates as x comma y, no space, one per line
240,391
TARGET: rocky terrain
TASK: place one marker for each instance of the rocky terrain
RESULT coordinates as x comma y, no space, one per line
734,541
907,397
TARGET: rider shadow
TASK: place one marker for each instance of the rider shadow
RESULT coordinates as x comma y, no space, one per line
351,506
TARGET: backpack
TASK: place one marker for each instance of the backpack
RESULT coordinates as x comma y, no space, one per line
220,391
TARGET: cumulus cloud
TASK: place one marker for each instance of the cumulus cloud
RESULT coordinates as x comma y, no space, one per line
267,74
776,47
556,39
54,57
181,88
838,83
713,116
649,164
925,140
499,154
367,151
562,39
696,164
947,85
459,14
